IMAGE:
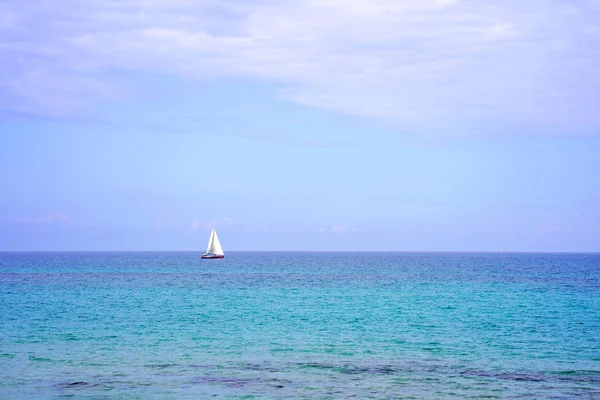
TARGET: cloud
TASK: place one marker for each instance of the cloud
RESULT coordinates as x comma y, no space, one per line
337,229
223,222
429,64
52,217
235,225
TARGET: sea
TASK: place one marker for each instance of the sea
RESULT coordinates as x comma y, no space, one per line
299,325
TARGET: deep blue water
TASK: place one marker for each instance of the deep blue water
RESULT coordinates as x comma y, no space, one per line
299,325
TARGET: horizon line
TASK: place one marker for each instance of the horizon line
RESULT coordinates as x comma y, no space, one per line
309,251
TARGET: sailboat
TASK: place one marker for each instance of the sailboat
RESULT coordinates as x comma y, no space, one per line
214,249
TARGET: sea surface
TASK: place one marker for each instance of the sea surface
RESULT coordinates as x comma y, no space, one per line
282,325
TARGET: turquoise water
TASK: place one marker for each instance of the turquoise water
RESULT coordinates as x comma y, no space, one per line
299,325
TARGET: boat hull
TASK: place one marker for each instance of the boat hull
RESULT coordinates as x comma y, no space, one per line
211,256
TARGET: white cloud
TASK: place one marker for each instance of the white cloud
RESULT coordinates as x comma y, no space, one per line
223,222
419,64
220,222
337,229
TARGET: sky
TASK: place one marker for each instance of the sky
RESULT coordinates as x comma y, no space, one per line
361,125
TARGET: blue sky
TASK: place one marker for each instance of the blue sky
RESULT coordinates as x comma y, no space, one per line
308,125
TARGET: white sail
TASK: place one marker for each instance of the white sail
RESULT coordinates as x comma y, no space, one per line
214,246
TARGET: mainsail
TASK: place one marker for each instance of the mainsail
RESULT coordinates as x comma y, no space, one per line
214,246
